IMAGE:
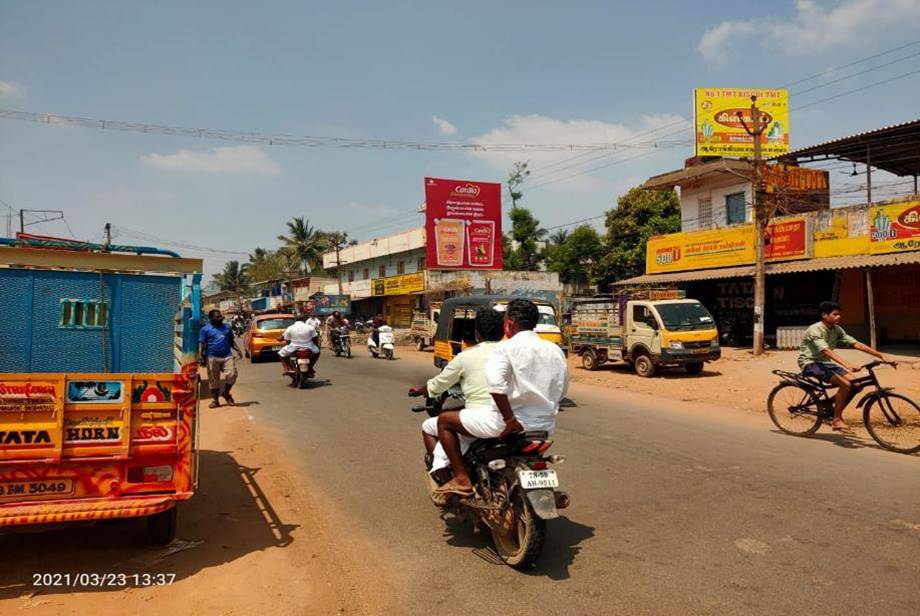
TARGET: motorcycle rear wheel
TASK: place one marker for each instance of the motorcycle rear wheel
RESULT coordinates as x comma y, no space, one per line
521,544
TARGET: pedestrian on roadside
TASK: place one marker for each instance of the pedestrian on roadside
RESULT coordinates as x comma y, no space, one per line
216,345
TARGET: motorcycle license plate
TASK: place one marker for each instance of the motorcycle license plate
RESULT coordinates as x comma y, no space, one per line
47,488
531,480
274,348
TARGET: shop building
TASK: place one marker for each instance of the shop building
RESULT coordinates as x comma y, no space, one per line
867,256
389,276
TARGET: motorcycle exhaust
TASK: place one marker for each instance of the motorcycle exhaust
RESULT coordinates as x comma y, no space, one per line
562,500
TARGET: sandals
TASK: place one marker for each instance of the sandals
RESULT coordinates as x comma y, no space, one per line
214,404
229,399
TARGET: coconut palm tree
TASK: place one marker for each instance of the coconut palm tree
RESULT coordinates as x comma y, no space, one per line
304,242
234,277
559,237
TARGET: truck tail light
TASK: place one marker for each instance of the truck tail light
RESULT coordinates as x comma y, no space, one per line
150,474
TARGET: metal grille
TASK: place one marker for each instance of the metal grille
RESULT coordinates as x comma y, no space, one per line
14,293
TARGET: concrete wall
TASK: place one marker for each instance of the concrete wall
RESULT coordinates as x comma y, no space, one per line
537,285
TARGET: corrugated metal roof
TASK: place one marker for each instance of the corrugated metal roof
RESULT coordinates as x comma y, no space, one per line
787,267
894,148
675,178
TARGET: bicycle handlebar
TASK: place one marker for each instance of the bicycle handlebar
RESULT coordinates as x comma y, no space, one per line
878,362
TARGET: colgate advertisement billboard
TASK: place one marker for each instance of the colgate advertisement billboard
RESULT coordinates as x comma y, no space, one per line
463,224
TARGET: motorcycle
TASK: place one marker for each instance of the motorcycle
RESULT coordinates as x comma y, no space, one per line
340,341
299,368
515,491
387,342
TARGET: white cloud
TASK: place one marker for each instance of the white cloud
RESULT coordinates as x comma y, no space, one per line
814,28
537,129
236,159
443,125
11,89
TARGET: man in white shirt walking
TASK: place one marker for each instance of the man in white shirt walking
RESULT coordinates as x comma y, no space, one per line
526,376
300,336
468,369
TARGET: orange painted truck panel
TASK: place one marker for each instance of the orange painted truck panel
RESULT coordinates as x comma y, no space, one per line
95,446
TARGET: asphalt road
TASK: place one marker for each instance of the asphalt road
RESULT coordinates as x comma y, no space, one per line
676,508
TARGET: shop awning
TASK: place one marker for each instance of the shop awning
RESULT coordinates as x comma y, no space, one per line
893,149
787,267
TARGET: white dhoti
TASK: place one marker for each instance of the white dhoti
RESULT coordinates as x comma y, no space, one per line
481,422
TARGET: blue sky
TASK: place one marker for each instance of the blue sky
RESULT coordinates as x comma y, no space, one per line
519,72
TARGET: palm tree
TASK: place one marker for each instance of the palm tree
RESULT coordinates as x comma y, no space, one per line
305,243
559,237
234,277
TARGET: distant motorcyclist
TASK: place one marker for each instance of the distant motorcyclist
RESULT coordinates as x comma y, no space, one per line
468,369
300,336
334,322
376,323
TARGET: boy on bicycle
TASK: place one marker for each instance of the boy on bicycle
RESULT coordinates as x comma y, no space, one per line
817,357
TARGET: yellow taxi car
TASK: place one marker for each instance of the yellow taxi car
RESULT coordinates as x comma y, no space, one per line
264,336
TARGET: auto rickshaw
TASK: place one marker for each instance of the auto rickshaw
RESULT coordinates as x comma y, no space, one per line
456,330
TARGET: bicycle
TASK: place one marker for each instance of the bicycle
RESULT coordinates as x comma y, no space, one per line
800,404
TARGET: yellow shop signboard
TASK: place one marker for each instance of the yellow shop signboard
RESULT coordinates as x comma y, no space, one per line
787,238
399,285
895,227
721,113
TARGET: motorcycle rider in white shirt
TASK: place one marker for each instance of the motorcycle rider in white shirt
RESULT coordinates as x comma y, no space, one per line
300,336
527,378
468,369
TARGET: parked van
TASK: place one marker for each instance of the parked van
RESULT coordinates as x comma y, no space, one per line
456,330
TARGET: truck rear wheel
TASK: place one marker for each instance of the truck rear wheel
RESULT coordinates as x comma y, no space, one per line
589,360
161,527
644,366
694,367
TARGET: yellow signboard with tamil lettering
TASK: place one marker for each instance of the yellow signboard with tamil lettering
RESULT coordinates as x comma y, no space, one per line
399,285
895,227
720,115
787,238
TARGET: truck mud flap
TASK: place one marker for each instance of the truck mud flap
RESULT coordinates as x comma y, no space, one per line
543,503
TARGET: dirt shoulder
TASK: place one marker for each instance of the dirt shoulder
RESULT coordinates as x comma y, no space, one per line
254,539
738,380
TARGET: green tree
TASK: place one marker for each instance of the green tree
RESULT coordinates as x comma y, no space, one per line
526,233
558,238
639,215
234,277
305,243
516,178
575,256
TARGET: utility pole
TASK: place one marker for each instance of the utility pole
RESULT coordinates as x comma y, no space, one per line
338,265
108,235
760,228
22,221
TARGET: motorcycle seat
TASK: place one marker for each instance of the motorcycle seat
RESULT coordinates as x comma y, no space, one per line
492,448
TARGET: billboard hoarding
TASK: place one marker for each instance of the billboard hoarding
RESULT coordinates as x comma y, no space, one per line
399,285
719,131
463,224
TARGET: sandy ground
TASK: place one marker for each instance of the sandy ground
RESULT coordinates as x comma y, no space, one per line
738,380
252,540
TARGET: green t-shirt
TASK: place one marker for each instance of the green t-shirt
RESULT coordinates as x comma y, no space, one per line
818,338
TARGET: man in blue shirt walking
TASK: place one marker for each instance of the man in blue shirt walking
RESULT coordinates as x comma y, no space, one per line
215,342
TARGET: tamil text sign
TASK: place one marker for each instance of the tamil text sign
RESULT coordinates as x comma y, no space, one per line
895,227
786,239
779,178
463,224
720,115
399,285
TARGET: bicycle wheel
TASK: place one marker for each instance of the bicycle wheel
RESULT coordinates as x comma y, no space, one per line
793,409
893,421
